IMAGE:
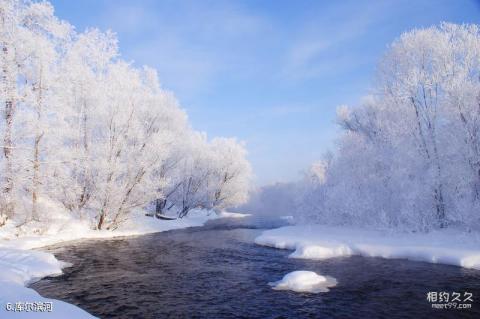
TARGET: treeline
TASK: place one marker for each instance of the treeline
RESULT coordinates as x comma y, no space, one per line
85,131
409,155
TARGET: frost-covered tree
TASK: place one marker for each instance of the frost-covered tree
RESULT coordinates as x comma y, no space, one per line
408,156
40,71
90,135
83,84
30,36
11,16
231,174
135,143
210,175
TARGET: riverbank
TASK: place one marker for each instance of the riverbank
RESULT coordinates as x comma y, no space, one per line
448,246
20,265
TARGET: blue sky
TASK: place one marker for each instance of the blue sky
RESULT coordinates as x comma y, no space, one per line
270,73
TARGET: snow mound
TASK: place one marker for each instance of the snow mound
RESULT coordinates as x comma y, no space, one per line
321,252
225,214
23,266
448,247
304,281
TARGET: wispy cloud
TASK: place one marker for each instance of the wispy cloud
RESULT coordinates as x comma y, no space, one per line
189,42
320,47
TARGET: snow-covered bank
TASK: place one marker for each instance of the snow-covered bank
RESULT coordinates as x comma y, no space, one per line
20,266
321,242
304,281
138,224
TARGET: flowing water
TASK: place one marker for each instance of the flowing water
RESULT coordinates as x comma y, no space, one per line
216,271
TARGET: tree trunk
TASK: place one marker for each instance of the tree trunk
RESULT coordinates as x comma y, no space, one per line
36,176
439,202
101,220
84,195
9,112
36,148
7,152
184,212
160,206
433,159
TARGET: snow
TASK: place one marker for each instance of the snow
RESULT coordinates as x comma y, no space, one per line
225,214
20,266
450,247
138,224
288,218
304,281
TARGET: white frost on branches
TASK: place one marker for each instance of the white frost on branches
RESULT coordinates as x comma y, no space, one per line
83,130
409,155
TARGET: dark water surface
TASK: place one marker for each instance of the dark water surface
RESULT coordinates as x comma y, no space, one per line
216,271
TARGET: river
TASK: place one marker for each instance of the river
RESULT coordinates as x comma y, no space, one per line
216,271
